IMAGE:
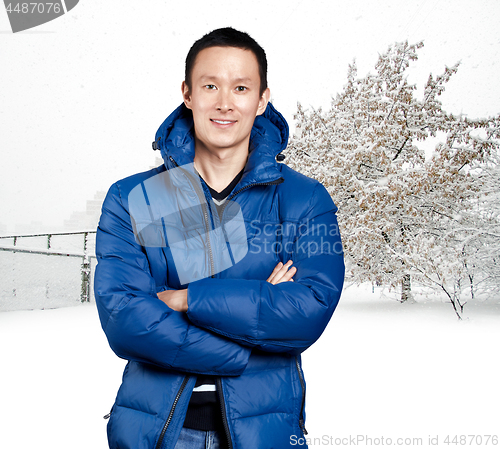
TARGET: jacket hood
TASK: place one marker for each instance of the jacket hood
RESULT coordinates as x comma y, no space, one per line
269,137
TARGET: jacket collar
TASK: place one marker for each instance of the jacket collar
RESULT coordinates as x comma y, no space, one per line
269,137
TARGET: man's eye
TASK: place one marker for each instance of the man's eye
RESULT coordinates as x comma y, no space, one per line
241,88
210,86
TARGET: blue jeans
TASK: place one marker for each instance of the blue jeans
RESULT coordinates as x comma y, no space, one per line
198,439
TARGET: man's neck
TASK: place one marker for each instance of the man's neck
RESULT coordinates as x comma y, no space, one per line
218,169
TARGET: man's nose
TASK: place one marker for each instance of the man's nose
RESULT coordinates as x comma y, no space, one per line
224,102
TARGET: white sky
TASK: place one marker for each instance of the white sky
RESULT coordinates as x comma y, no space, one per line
81,97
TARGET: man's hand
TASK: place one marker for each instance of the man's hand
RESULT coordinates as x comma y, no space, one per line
282,273
175,299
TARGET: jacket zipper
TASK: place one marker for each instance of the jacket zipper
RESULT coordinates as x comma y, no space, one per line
223,410
303,384
205,214
270,183
219,381
171,414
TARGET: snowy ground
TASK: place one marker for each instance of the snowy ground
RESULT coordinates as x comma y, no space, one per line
381,370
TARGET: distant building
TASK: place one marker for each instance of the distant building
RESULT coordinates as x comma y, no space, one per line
86,220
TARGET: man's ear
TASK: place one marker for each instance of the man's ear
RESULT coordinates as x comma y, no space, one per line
186,95
264,99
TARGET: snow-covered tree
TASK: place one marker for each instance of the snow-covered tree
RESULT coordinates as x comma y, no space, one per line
481,228
400,213
447,250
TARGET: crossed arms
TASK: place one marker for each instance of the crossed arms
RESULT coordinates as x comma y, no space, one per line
224,319
177,299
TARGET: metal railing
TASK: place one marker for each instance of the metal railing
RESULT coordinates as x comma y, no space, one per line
15,244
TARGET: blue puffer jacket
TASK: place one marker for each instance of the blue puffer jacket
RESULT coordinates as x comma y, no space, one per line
239,327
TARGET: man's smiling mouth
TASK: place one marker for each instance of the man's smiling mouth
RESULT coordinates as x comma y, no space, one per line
223,122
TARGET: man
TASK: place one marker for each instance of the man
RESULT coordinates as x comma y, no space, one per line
217,269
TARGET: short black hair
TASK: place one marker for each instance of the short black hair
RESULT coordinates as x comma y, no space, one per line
228,37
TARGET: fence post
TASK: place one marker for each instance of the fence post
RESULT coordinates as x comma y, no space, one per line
85,267
85,295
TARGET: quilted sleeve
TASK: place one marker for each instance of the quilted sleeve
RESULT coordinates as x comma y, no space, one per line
137,324
286,317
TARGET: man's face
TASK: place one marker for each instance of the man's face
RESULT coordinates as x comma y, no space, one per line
224,98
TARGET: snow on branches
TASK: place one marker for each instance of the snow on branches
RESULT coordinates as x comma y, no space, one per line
403,214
